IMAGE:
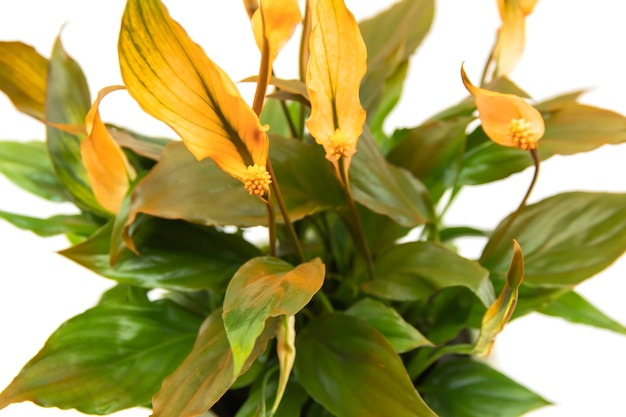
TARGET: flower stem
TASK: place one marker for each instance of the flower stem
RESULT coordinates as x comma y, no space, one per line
358,226
271,226
497,237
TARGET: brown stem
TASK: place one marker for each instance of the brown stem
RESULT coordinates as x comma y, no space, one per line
499,233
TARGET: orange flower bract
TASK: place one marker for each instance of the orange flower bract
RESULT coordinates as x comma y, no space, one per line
506,118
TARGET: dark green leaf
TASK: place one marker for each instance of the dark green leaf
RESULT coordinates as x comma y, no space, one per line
290,406
67,102
111,357
390,96
566,238
28,166
55,225
405,25
173,255
23,74
387,189
433,152
402,336
572,307
265,287
353,371
466,388
207,190
414,271
206,374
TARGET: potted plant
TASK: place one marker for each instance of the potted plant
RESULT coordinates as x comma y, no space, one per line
354,299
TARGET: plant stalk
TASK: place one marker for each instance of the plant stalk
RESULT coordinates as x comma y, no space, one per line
497,237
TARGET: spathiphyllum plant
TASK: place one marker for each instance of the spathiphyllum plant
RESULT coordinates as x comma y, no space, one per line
355,302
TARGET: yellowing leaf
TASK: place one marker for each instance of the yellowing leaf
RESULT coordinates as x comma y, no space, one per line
499,313
274,23
336,67
251,6
173,80
265,287
107,167
506,118
286,352
23,74
511,35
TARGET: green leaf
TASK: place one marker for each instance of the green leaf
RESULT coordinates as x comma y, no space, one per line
402,336
67,102
572,127
466,388
111,357
55,225
485,161
405,25
390,96
207,372
353,371
572,307
208,190
291,405
23,74
500,312
416,270
566,238
27,165
387,189
173,255
433,153
265,287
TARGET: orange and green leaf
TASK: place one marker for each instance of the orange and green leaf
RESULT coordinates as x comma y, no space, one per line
173,80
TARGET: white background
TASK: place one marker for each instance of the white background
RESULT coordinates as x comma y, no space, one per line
571,44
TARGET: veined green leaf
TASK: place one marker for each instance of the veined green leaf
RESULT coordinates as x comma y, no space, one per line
173,255
146,146
207,372
265,287
405,24
207,190
416,270
353,371
23,74
387,189
572,307
111,357
467,388
28,166
55,225
402,336
67,102
433,152
566,238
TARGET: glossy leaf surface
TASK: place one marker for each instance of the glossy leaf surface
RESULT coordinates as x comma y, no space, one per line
405,25
574,308
265,287
55,225
566,238
415,271
467,388
23,74
353,371
387,189
28,166
160,193
172,255
111,357
206,374
402,336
